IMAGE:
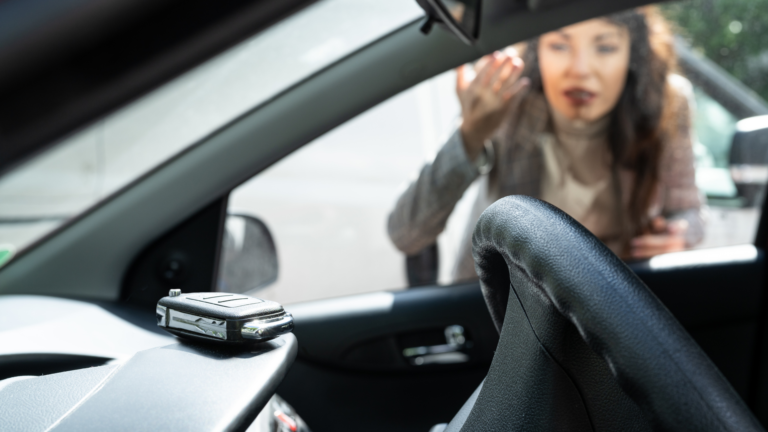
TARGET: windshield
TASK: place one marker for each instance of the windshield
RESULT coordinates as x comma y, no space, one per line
94,163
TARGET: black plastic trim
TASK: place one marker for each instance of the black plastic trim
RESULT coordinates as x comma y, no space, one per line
66,63
194,244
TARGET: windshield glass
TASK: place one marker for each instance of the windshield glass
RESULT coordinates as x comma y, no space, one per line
94,163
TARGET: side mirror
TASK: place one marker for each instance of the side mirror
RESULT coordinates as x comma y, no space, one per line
248,255
749,158
462,17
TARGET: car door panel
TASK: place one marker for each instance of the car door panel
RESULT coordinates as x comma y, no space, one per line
717,302
351,369
334,331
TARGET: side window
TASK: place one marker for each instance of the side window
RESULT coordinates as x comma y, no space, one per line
327,204
732,216
714,127
719,53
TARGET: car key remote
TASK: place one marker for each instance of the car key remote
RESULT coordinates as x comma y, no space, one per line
222,317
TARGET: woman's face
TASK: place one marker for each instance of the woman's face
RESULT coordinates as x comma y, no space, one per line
584,68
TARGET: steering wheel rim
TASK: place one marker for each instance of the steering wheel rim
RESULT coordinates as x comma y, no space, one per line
584,344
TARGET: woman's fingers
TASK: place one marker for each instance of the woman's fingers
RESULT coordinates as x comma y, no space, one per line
495,72
485,73
658,241
511,51
669,236
658,225
480,64
515,88
461,80
651,241
653,244
482,73
677,227
517,70
482,97
504,69
510,80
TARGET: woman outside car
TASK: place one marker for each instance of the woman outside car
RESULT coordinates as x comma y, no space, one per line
591,119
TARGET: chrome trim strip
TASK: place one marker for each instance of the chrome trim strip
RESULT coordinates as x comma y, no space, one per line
267,329
751,124
698,257
208,326
749,174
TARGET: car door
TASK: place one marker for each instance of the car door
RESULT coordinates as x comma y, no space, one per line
392,351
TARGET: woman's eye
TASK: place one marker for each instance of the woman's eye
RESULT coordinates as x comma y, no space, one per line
558,46
606,49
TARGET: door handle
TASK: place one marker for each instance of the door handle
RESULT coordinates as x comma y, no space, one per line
451,352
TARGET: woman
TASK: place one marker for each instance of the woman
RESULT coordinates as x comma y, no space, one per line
595,124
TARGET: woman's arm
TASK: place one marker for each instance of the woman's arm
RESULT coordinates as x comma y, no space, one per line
422,211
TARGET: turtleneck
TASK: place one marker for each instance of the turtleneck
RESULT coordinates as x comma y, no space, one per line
585,146
578,177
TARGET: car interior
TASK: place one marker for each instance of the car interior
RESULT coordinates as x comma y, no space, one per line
677,342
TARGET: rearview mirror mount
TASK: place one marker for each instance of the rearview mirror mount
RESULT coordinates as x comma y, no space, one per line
462,17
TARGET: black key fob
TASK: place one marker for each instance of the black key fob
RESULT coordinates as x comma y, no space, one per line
222,317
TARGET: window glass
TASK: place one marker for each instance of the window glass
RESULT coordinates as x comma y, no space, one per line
731,33
327,204
729,221
727,40
98,161
714,127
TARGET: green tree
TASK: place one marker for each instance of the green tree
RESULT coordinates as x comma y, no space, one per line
732,33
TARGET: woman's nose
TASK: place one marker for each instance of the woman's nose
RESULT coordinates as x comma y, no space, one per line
580,65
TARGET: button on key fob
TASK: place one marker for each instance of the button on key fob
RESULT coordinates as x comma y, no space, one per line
222,317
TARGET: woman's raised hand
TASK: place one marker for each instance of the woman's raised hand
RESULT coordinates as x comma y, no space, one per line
666,236
486,99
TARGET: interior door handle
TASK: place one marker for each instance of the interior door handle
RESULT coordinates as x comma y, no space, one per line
452,351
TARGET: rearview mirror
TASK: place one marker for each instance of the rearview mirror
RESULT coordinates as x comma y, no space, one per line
462,17
248,255
749,158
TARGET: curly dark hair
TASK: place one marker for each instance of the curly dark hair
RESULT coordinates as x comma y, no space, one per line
646,111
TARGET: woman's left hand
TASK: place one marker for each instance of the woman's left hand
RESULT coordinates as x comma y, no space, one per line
665,237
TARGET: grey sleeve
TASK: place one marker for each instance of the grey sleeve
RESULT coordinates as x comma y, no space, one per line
423,209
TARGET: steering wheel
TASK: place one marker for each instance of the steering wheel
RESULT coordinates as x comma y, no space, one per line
584,344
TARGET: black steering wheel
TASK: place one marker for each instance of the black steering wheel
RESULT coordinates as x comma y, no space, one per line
584,345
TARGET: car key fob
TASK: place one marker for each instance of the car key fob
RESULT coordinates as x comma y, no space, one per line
222,317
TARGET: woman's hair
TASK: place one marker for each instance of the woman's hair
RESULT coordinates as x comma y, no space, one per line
646,112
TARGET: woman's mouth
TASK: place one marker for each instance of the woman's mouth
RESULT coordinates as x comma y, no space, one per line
579,96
